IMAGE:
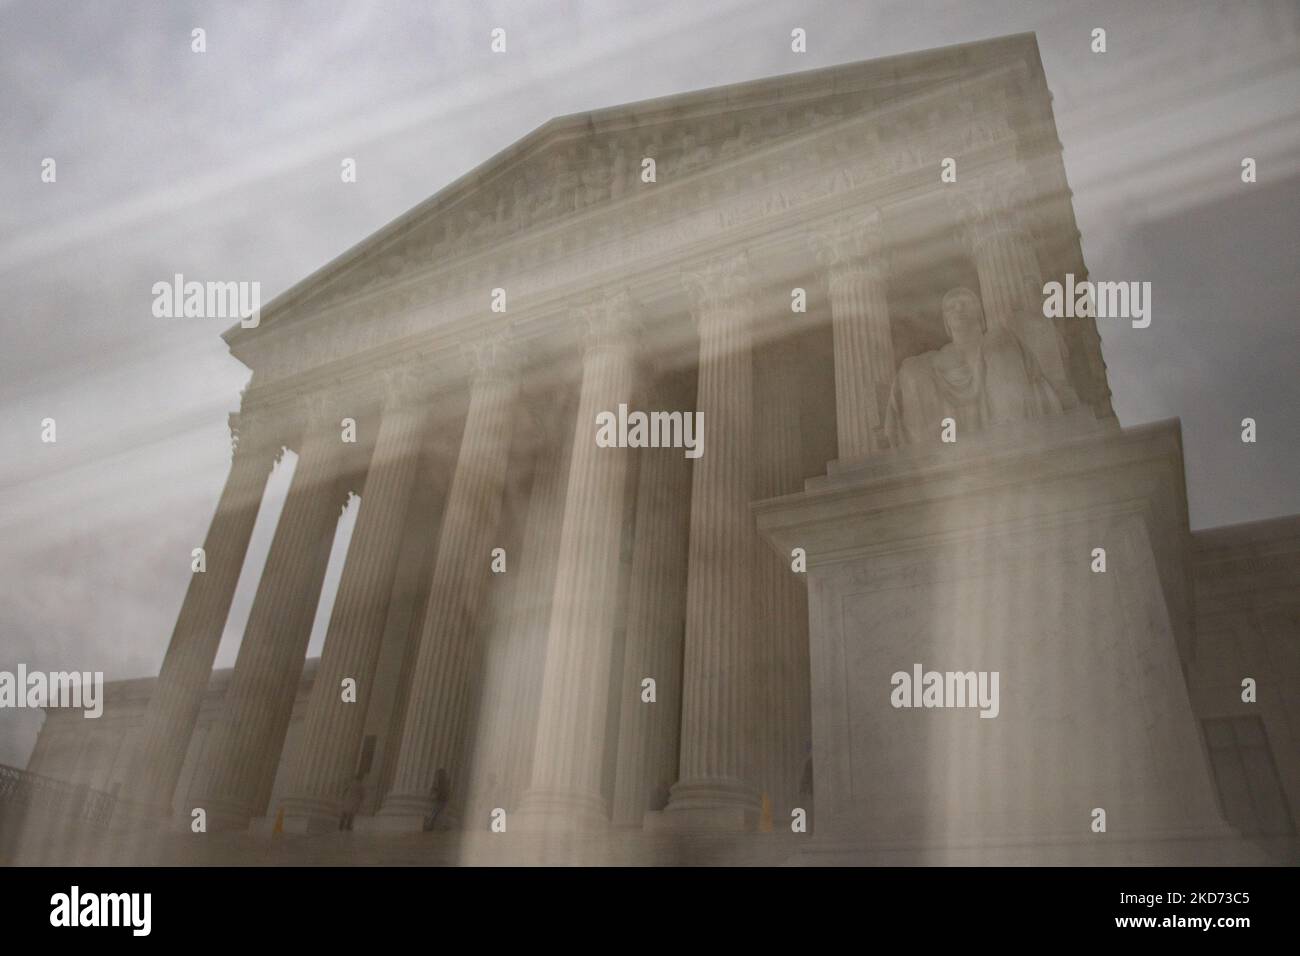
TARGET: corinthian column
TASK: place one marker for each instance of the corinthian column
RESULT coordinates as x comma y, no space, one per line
716,784
326,757
782,598
995,233
854,255
566,775
244,746
511,721
647,731
158,753
439,691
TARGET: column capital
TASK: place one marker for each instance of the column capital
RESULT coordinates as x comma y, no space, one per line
240,429
991,202
322,414
489,356
609,319
253,432
317,409
403,385
720,283
853,242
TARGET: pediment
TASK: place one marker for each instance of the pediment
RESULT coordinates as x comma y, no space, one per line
574,165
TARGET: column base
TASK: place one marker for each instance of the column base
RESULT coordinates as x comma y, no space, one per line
562,811
222,816
390,823
311,822
720,804
404,813
263,827
405,823
310,814
298,824
406,805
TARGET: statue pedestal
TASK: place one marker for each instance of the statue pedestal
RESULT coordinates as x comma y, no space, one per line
978,557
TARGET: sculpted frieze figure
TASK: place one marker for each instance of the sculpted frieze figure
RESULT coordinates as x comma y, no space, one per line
690,154
740,143
618,170
561,188
552,183
979,379
477,226
605,175
519,201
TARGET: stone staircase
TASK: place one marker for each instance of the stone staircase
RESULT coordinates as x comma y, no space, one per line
78,845
71,842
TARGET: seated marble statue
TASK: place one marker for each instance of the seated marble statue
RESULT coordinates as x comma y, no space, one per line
980,378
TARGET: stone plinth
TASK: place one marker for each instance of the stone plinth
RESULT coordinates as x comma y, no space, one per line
979,557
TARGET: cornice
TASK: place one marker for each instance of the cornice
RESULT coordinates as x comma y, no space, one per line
793,184
962,65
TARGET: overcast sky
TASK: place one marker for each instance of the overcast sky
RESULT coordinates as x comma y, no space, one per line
226,164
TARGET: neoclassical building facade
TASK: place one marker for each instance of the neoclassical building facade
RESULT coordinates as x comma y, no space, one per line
535,627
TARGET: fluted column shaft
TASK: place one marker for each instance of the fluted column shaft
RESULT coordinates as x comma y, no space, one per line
864,356
326,758
992,211
512,721
1011,284
647,732
716,786
565,788
781,597
854,254
244,747
159,751
440,685
999,258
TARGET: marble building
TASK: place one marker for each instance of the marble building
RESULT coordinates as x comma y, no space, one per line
786,259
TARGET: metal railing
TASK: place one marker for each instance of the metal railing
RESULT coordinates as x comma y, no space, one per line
23,790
